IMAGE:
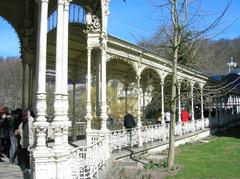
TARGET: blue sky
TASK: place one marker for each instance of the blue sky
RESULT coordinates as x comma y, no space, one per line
136,19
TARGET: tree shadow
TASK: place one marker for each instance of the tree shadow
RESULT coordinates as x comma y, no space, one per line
229,132
131,156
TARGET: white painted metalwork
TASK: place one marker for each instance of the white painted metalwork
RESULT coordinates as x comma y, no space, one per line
86,161
77,15
199,124
178,129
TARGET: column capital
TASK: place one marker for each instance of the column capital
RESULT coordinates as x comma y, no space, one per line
89,49
41,1
61,2
201,85
192,83
66,3
179,82
138,77
162,74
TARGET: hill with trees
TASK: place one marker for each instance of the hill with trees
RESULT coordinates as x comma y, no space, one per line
207,56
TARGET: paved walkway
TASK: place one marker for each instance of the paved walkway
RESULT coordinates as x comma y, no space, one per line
9,171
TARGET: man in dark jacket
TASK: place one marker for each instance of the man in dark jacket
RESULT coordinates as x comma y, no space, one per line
129,121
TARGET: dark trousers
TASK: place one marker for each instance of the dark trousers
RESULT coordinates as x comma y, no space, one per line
26,158
129,131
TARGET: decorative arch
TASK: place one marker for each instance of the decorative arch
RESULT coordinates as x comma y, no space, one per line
152,69
77,15
111,58
18,36
150,76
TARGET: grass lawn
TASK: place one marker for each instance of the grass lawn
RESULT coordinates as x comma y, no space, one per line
218,159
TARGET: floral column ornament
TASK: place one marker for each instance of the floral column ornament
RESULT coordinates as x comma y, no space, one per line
43,163
57,123
65,105
41,124
139,124
88,116
192,102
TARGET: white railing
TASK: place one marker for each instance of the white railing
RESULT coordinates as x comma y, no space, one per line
188,127
152,133
93,136
119,139
86,161
178,129
206,122
199,124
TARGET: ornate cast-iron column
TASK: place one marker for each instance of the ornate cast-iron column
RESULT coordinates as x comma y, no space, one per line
162,99
43,165
61,122
202,109
103,108
126,85
41,123
139,124
88,116
192,101
65,105
98,84
58,105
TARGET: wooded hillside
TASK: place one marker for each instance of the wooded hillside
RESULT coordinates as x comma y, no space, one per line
210,56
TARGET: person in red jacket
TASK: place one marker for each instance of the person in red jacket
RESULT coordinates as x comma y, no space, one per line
185,115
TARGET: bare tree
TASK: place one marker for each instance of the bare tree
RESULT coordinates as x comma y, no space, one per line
185,28
11,82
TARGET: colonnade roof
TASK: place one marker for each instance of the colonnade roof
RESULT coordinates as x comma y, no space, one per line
117,48
14,11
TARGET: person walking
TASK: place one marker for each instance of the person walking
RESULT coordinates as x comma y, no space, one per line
185,115
129,123
167,117
13,139
27,137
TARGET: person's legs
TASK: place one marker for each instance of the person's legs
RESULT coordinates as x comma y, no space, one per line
130,130
13,150
26,158
1,148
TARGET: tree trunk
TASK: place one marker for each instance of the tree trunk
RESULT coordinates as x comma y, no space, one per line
176,41
171,153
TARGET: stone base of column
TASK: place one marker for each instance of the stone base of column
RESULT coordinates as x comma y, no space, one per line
43,164
63,165
47,164
67,124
